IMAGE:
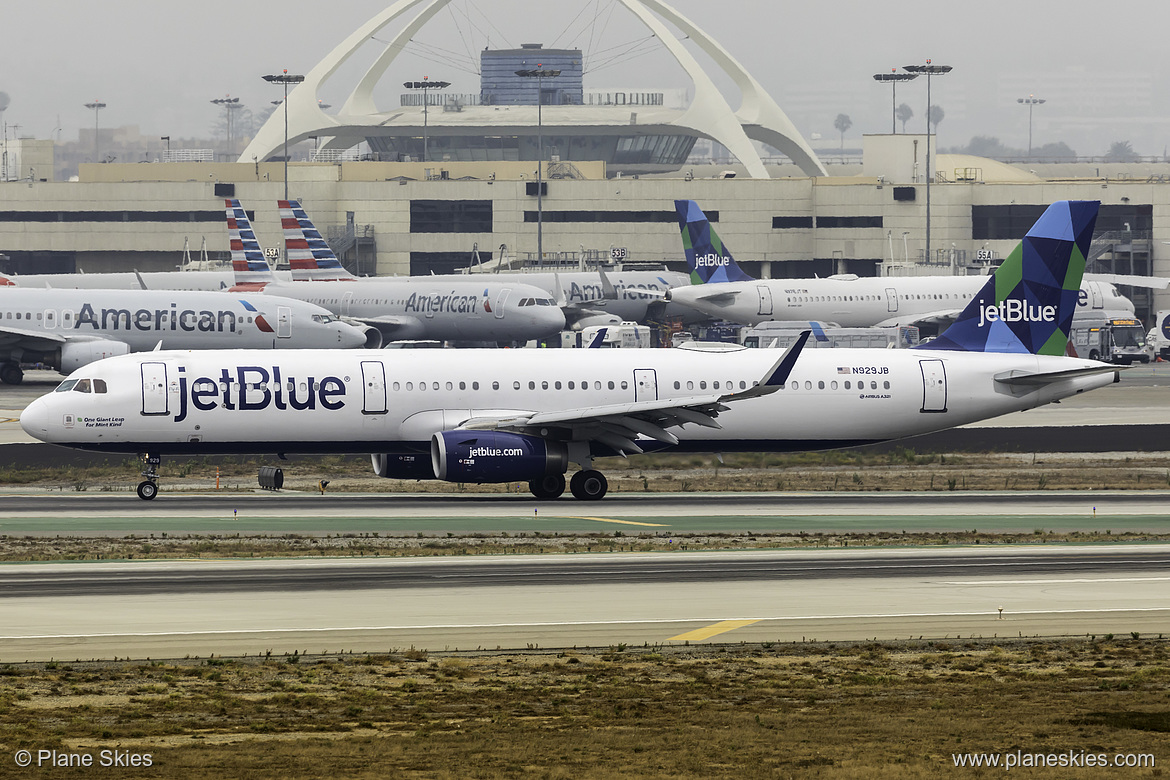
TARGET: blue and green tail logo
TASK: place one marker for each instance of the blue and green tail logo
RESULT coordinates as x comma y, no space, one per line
707,257
1028,303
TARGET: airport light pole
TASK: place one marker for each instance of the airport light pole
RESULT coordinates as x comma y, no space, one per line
425,85
230,106
540,73
893,77
96,106
285,78
929,70
1030,101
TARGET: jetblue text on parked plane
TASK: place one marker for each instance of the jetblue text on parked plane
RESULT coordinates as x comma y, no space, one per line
249,390
711,259
156,319
1015,310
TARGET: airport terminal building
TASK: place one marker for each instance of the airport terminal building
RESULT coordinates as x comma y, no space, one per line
449,179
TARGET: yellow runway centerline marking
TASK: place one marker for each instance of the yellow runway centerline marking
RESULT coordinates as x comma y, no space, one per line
722,627
611,520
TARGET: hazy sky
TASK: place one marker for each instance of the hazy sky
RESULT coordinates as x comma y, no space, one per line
1104,73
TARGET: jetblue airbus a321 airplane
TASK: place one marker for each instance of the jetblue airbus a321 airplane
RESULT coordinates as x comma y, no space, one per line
526,415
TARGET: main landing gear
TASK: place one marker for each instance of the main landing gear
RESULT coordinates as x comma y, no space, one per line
548,486
587,485
148,488
11,374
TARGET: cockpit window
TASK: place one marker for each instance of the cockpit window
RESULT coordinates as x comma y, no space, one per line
83,386
99,385
65,386
323,318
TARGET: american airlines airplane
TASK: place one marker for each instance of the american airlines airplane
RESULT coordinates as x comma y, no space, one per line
526,415
586,297
722,290
67,329
452,309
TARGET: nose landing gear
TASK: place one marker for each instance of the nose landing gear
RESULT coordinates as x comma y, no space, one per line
148,488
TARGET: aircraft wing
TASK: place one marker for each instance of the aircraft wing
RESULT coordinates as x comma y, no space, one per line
1153,282
619,425
30,339
716,295
388,324
940,317
1039,379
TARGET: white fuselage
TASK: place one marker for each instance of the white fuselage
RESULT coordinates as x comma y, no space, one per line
31,318
417,308
248,401
635,290
860,302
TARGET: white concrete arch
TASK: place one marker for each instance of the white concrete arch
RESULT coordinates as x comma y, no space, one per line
759,117
305,117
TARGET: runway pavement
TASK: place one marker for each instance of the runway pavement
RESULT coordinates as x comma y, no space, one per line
180,608
37,513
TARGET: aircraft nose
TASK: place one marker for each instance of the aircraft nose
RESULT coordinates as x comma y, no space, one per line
35,419
554,318
351,337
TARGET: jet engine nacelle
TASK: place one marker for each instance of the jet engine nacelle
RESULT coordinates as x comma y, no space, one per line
397,466
495,456
75,354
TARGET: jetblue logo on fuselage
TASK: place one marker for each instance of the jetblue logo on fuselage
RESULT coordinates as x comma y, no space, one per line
255,388
1015,310
711,260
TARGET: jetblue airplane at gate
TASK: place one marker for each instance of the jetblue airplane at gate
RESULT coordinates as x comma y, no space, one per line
720,289
526,415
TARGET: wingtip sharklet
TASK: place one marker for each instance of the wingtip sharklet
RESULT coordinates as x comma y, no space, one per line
787,361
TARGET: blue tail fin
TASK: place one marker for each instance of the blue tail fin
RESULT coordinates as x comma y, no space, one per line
247,257
707,258
1028,303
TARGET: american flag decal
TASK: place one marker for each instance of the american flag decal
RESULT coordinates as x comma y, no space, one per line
842,369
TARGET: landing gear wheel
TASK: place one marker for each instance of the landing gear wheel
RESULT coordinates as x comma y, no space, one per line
549,486
147,490
589,485
10,374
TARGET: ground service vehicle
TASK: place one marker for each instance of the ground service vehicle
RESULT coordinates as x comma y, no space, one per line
1119,340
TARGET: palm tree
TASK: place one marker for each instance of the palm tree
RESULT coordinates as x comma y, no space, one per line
1121,151
904,114
934,116
842,123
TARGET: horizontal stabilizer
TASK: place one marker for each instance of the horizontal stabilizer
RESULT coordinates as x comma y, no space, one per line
1032,379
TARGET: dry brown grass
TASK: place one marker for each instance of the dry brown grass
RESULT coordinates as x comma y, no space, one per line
794,710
